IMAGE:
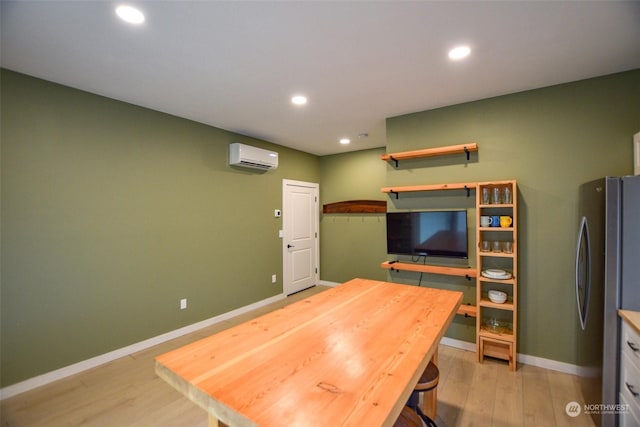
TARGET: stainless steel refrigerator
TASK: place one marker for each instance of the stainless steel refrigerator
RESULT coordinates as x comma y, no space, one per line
607,271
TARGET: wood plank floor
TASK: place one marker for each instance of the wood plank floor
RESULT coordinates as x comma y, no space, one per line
126,392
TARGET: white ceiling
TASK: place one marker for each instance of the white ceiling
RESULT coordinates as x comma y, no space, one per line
235,64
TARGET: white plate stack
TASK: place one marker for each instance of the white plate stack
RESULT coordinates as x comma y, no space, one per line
495,273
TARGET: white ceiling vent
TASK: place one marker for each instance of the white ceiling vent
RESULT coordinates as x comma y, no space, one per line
252,157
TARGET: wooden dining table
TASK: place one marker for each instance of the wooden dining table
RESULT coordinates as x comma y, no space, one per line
347,356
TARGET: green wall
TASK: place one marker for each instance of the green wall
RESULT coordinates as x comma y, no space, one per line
352,245
112,213
550,140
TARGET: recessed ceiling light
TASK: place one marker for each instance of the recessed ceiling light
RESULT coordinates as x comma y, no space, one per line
299,99
130,14
345,141
459,52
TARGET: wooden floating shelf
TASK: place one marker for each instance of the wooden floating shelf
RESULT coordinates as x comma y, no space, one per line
434,269
355,206
431,152
430,187
468,310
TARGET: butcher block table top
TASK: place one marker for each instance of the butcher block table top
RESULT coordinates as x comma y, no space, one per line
348,356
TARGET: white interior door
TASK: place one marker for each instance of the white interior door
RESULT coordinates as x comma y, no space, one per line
300,218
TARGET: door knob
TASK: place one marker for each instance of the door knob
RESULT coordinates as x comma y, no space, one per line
289,246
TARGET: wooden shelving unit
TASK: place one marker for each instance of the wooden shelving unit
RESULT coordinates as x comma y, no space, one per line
499,341
431,152
497,338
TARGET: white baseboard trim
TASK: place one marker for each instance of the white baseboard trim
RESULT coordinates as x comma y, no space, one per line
540,362
84,365
327,283
462,345
553,365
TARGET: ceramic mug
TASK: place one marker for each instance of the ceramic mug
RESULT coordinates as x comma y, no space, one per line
505,221
495,221
485,221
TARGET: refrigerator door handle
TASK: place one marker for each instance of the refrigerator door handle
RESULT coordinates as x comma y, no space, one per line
632,389
583,272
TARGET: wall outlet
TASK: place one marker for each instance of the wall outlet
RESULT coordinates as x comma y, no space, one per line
274,278
183,303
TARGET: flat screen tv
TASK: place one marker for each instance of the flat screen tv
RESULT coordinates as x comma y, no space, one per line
432,233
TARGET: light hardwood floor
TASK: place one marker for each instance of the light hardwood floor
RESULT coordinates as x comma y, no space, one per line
126,392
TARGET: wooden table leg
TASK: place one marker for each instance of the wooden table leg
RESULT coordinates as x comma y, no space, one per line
430,398
215,422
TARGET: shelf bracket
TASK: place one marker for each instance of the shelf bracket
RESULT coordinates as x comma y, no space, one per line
466,150
394,192
468,190
394,160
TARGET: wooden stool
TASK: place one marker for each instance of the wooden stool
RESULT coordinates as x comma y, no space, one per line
427,386
408,418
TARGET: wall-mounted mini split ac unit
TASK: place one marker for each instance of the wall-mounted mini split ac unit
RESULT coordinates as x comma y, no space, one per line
252,157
